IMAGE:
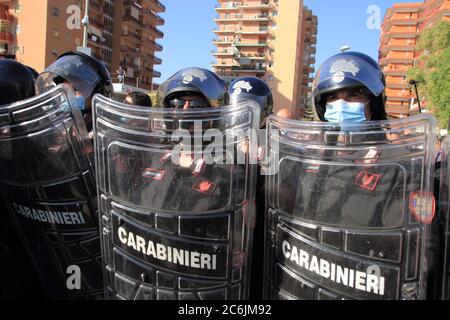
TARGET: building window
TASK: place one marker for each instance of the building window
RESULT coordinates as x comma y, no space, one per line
55,32
17,29
18,49
270,78
77,41
18,8
55,12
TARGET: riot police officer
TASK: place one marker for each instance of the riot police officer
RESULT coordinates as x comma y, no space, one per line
85,74
193,88
254,89
47,178
340,184
18,278
184,208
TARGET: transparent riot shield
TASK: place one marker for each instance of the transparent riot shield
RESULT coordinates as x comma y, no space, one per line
176,224
444,211
47,182
349,209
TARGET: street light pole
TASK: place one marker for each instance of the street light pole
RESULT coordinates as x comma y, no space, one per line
414,82
85,23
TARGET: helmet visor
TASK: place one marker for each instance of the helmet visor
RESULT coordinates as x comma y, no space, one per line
74,70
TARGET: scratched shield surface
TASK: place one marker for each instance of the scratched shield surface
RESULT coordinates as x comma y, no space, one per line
349,210
47,182
174,229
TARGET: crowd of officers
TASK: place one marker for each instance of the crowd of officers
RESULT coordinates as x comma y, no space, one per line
345,95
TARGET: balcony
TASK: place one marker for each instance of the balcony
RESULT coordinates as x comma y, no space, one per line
96,22
127,17
262,5
229,7
310,38
6,17
227,64
157,47
94,40
249,69
395,72
396,84
308,69
399,98
261,31
225,18
150,44
259,17
222,41
222,53
156,6
157,60
156,32
398,34
402,22
241,17
130,52
6,37
95,5
156,74
153,17
397,59
222,31
251,57
405,48
136,36
396,110
249,44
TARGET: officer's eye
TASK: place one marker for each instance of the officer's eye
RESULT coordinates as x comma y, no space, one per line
332,97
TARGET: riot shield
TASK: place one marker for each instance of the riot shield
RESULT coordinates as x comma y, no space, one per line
349,209
444,211
47,182
175,229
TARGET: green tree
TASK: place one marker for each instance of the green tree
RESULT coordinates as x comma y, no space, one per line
433,70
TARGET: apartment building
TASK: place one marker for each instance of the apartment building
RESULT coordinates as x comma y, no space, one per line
135,44
121,32
401,30
270,39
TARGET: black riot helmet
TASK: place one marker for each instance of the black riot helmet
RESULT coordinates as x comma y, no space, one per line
86,74
350,70
252,88
16,82
33,72
196,81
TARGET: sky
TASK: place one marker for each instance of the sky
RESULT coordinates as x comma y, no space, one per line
189,25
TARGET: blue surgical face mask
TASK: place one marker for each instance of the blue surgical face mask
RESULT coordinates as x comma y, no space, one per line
343,111
79,102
